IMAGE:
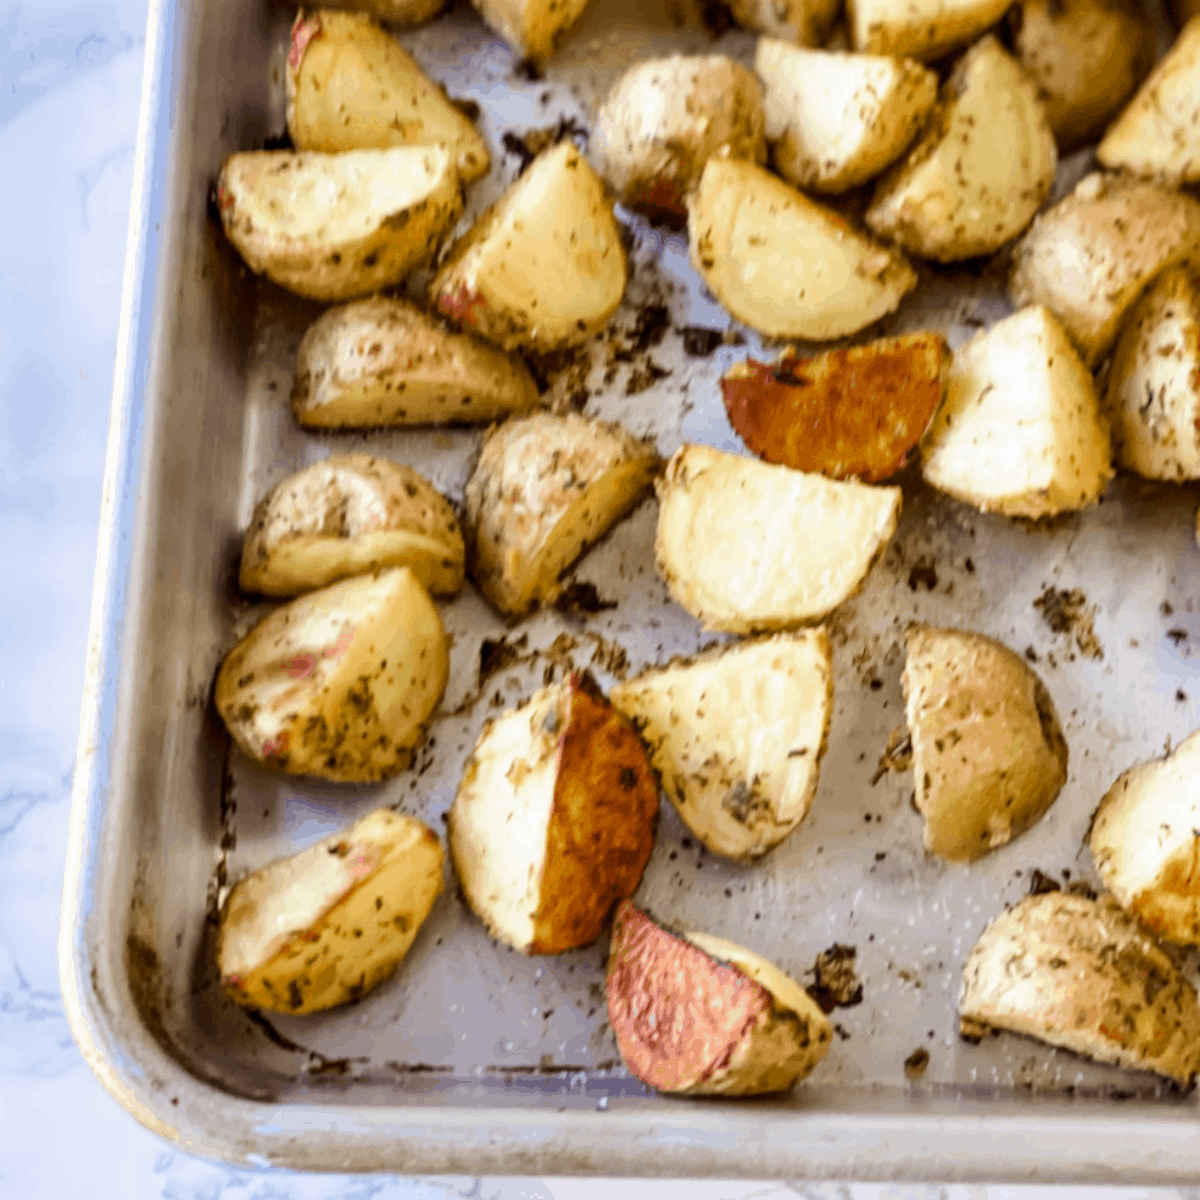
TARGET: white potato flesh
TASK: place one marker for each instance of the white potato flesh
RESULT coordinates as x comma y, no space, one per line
534,28
1089,257
978,172
544,267
1152,400
1145,838
737,737
922,29
1158,134
729,543
339,683
350,515
335,226
805,22
1020,430
783,264
836,120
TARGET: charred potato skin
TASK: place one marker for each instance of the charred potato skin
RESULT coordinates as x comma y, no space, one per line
1080,974
925,30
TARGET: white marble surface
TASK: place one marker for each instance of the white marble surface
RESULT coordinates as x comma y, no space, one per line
69,85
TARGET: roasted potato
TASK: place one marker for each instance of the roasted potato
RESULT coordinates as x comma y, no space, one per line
1020,431
1145,838
339,683
1158,135
920,29
1086,57
350,515
980,169
849,414
988,752
1080,974
805,22
351,87
534,28
700,1016
781,263
544,267
331,923
399,14
554,819
665,118
745,546
383,361
1152,400
1088,258
544,490
335,226
737,736
836,120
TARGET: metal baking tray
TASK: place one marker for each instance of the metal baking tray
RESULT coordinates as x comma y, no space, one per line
474,1059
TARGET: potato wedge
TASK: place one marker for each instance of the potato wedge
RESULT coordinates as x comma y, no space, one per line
545,489
1080,974
1145,838
534,28
1086,58
328,925
804,22
665,118
340,683
730,548
351,87
836,120
989,756
849,414
922,29
383,361
700,1016
1152,400
554,819
737,736
351,514
980,169
544,267
1020,431
1089,257
784,265
399,14
335,226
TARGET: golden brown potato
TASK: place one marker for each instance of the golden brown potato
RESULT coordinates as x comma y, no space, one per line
804,22
922,29
331,923
399,14
1080,974
383,361
534,28
700,1016
989,756
340,683
351,87
554,819
351,514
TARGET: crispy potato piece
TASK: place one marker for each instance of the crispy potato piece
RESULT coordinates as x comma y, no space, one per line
728,545
700,1016
1020,431
1088,258
399,14
351,87
534,28
784,265
665,118
383,361
544,267
848,414
340,683
329,924
545,489
989,756
978,172
737,736
351,514
836,120
335,226
1146,846
922,29
1080,974
554,819
1086,57
804,22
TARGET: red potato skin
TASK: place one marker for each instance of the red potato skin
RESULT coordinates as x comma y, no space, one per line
678,1015
848,414
460,306
304,29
